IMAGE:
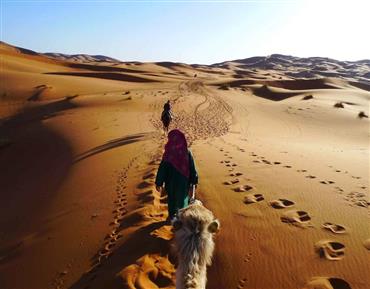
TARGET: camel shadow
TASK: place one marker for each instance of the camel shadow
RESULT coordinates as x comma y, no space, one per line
138,244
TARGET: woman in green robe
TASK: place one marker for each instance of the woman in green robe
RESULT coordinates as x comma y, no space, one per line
177,173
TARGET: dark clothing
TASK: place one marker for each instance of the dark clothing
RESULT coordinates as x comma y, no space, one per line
167,106
176,185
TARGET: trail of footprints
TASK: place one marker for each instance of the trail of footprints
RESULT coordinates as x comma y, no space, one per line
328,249
354,198
113,236
153,269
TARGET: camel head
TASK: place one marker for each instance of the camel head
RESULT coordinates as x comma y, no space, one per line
196,218
194,230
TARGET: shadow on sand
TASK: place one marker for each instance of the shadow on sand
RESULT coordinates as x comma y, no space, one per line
32,167
118,142
137,245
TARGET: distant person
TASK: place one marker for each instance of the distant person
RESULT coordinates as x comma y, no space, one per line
167,106
166,116
177,173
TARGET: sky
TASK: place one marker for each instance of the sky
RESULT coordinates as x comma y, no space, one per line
202,32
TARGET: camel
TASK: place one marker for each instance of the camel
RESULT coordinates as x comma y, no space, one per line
194,230
166,119
166,116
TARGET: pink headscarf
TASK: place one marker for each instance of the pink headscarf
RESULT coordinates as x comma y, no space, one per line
176,152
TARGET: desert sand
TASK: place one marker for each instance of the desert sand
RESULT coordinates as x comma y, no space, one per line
281,151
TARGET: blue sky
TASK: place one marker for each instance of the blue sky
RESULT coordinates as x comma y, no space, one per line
189,31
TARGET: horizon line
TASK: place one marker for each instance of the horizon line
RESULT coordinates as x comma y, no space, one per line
181,62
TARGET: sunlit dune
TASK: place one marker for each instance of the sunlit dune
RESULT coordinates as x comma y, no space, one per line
281,145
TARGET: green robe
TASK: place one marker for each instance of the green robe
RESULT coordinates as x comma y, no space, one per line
176,185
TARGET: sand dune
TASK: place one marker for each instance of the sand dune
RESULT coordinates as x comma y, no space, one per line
106,75
284,170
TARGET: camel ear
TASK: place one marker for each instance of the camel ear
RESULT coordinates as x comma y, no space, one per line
214,227
177,224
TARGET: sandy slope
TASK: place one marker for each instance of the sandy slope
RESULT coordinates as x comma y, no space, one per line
78,206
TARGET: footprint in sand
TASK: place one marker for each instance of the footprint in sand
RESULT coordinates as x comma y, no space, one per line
360,195
113,235
122,201
337,229
237,174
144,185
281,203
277,163
301,171
105,251
150,271
235,181
327,283
164,232
331,250
109,246
241,283
362,203
327,182
256,161
367,244
149,176
121,194
253,198
120,210
243,188
117,221
311,177
247,257
297,218
267,162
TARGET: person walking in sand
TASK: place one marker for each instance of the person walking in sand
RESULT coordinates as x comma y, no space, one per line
166,116
167,106
177,173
